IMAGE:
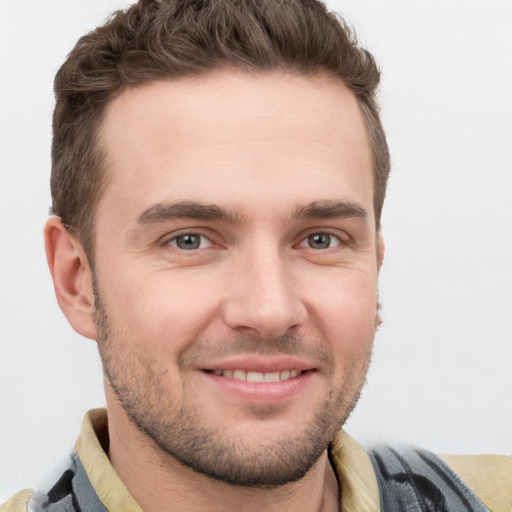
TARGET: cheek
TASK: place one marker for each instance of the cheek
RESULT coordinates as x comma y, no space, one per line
346,313
162,308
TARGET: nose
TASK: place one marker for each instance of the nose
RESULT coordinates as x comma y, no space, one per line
263,297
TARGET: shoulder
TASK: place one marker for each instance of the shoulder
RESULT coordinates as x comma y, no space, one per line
408,475
18,502
488,476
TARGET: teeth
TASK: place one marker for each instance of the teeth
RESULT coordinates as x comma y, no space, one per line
272,377
255,377
258,376
239,375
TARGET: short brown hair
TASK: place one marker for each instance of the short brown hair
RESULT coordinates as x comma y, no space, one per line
165,39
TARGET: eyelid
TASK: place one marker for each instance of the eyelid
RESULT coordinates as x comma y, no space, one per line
173,242
343,238
165,240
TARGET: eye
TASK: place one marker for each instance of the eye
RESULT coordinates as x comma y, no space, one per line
190,242
320,241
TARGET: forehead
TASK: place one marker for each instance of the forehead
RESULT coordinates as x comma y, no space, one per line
233,137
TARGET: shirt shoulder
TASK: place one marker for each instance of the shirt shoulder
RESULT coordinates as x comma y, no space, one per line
488,476
18,502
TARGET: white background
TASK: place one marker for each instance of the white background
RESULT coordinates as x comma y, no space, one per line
441,376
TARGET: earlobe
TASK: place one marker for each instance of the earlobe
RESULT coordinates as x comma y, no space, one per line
72,277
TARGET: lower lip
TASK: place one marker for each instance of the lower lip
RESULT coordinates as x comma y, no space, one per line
261,392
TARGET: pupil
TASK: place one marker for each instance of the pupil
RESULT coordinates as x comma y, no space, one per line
319,241
188,242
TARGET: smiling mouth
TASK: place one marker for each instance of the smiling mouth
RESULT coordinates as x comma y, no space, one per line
251,376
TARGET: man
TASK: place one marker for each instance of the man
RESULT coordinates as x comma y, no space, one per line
219,171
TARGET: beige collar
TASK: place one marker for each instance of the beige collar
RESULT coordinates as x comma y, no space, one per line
359,488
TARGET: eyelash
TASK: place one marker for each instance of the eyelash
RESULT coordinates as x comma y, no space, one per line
172,241
174,238
328,233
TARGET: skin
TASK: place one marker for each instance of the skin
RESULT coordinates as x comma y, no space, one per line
265,163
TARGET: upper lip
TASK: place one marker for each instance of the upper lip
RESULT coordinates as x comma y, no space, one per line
260,364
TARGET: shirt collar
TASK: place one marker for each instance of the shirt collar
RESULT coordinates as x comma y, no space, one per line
89,446
359,488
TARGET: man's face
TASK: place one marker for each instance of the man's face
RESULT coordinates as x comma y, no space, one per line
236,268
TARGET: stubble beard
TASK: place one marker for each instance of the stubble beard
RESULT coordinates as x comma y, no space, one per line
179,429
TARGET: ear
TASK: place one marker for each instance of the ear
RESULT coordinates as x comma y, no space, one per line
381,249
72,277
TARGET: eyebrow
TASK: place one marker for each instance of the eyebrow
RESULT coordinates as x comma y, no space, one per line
330,210
161,212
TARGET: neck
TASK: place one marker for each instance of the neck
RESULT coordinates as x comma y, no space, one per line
158,482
